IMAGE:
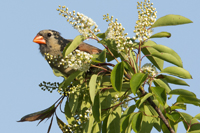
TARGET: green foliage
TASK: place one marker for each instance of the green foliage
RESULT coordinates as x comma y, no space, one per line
125,96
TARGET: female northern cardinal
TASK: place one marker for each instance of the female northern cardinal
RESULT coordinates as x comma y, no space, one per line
52,42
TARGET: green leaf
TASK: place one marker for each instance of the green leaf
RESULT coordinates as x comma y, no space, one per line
174,116
117,76
61,124
40,115
162,83
112,46
189,100
73,102
136,81
99,58
57,73
88,126
128,68
128,111
133,61
147,124
96,108
186,117
71,77
165,49
195,131
92,85
102,56
126,124
95,128
106,102
178,106
167,57
101,35
104,127
113,123
177,71
170,20
197,116
160,94
143,99
77,40
148,50
68,113
161,34
174,80
137,122
182,92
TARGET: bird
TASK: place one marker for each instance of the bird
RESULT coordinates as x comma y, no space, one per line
51,42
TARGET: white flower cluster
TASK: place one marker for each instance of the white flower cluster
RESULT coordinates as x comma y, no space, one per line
116,32
72,89
149,69
146,18
85,25
78,60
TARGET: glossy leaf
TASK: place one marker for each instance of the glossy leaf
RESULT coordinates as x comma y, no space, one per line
170,20
112,46
147,124
101,35
161,34
189,100
73,102
61,124
104,127
99,58
195,131
106,102
77,40
198,116
133,61
68,113
88,126
136,81
167,57
174,116
126,119
70,78
165,49
160,94
113,123
117,76
178,106
182,92
136,122
143,99
148,50
96,108
174,80
96,128
127,112
126,124
57,73
92,85
162,83
177,71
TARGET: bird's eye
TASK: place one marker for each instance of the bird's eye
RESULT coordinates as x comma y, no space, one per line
49,34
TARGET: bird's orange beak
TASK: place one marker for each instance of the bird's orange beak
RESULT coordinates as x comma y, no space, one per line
39,39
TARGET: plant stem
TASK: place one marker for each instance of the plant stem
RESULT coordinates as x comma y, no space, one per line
162,117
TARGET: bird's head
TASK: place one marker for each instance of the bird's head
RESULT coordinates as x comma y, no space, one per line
50,41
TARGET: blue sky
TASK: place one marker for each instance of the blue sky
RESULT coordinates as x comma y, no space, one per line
23,68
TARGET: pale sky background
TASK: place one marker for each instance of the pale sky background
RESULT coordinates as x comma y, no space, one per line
23,68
